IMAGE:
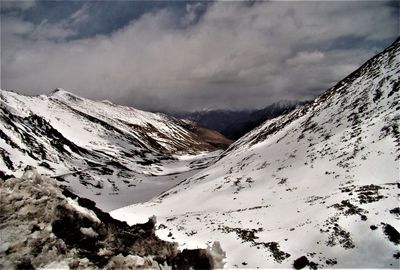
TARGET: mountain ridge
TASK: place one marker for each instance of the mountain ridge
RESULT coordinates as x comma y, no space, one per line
317,187
234,124
95,147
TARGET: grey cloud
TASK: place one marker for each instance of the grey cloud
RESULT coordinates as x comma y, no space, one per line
303,58
51,31
234,56
12,26
17,4
81,15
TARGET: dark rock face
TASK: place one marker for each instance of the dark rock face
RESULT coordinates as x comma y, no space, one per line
192,259
115,236
395,211
392,234
300,262
120,238
24,264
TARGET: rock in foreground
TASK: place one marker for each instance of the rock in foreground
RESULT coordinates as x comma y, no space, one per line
46,226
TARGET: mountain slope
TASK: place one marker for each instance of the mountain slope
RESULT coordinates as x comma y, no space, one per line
96,147
208,135
318,186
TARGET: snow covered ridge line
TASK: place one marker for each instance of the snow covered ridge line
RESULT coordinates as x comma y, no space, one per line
318,187
100,150
44,226
390,55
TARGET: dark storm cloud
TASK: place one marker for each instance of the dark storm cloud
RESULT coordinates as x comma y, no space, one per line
89,18
190,55
16,5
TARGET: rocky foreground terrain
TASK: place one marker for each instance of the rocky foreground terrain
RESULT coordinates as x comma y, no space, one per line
46,226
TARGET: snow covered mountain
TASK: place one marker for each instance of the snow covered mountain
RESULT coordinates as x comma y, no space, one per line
99,149
317,187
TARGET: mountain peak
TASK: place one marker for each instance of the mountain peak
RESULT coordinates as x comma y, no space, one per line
60,93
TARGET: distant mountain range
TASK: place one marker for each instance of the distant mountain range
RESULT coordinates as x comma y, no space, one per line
317,187
234,124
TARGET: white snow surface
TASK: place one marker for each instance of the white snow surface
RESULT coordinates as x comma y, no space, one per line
321,182
114,155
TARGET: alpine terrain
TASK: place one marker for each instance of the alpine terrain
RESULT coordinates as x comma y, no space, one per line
114,155
234,124
317,187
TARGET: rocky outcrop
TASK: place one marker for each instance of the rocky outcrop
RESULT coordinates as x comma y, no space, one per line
46,226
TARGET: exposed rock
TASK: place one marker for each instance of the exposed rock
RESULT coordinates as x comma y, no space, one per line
392,234
43,225
300,263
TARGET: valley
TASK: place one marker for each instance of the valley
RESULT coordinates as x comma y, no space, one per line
114,155
180,135
317,187
140,187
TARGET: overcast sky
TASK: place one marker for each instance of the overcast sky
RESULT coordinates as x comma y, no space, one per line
174,56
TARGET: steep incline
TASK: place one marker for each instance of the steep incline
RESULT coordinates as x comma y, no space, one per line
318,186
96,147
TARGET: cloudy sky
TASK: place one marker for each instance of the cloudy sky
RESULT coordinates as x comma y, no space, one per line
176,55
